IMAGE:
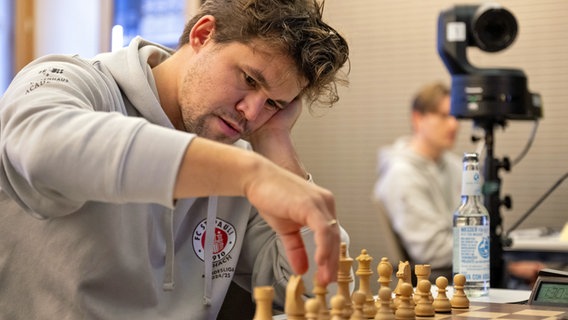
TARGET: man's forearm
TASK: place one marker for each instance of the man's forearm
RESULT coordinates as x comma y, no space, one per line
280,150
212,168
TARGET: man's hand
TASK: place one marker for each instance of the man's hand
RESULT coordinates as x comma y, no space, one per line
274,141
281,122
287,202
284,199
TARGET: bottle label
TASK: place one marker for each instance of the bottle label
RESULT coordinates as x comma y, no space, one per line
471,183
471,252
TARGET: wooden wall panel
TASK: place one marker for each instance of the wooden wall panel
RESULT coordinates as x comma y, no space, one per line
24,37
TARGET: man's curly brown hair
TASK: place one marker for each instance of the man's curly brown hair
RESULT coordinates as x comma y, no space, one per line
294,26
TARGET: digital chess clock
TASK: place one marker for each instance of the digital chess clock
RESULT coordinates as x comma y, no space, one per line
550,289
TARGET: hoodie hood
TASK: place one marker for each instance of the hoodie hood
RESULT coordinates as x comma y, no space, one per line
139,58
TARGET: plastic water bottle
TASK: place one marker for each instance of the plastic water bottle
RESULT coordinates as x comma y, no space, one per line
471,231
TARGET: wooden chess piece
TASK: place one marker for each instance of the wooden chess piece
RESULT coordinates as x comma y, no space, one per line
405,309
384,311
320,293
424,306
403,276
364,273
358,304
442,304
294,305
459,299
263,296
406,275
422,272
345,278
385,270
337,303
312,307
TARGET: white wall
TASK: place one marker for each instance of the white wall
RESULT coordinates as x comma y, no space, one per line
68,26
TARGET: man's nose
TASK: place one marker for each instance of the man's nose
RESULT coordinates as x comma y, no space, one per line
251,105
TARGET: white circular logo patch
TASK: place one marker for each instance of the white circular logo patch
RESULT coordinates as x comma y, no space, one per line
223,242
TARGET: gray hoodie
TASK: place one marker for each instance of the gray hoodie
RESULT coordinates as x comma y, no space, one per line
88,225
420,196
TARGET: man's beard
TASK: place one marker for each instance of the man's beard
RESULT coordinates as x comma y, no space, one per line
198,125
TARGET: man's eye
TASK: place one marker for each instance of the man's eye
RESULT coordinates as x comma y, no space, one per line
272,105
250,81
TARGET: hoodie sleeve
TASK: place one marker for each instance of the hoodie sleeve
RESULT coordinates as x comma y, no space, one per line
64,140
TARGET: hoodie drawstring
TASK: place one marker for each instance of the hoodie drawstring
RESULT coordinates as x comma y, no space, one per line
168,284
209,238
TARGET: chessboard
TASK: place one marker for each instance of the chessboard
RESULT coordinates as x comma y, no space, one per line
486,310
501,311
404,302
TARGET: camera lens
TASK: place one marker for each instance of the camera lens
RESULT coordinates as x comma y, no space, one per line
494,28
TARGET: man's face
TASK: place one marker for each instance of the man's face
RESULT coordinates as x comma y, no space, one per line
231,90
439,128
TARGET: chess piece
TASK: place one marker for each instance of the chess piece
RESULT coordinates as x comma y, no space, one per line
364,273
344,278
406,276
312,307
384,269
442,304
424,306
320,293
337,303
294,305
384,310
263,297
422,272
403,276
459,299
405,309
358,304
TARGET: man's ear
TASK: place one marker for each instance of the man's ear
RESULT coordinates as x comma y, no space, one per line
202,32
416,118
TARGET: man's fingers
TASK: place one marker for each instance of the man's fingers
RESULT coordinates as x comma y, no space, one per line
327,252
327,240
295,251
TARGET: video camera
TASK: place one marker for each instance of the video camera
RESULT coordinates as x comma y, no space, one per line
491,94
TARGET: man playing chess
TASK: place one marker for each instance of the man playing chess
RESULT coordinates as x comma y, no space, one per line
141,183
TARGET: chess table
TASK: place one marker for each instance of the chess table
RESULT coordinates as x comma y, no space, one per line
502,311
488,310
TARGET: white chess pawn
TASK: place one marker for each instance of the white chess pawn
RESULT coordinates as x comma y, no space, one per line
442,304
358,304
424,307
459,299
312,307
263,296
405,310
337,303
384,311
